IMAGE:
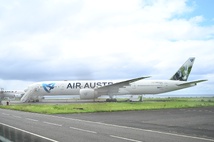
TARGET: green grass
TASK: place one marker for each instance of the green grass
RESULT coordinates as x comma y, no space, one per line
148,104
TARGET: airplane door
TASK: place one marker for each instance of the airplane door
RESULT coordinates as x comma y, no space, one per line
2,90
37,89
159,85
165,85
133,86
62,86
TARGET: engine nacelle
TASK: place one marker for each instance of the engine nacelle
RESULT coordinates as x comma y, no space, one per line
88,94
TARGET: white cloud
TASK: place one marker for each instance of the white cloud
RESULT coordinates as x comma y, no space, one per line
47,40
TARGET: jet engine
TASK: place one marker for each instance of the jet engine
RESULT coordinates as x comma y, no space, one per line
88,94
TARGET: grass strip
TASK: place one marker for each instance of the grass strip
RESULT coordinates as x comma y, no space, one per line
147,104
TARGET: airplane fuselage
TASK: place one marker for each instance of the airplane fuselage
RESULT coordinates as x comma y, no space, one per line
74,87
11,93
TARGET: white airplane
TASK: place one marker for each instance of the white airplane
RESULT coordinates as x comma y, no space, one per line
10,94
94,89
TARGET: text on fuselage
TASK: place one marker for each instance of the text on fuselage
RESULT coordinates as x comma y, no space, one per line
79,85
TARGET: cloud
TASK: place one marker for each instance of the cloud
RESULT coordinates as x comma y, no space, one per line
63,40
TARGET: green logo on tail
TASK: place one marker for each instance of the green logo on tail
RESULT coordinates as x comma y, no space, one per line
183,73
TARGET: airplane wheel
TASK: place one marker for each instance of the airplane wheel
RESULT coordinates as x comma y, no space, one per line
111,100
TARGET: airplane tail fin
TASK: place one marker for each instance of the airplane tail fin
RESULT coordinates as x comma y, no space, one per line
183,73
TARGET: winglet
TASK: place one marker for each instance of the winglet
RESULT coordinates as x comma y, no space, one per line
183,73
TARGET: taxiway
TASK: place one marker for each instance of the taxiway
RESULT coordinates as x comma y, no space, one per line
169,125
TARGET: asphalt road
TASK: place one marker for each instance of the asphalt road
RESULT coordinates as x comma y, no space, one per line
170,125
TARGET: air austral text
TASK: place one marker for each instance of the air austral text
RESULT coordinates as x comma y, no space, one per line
79,85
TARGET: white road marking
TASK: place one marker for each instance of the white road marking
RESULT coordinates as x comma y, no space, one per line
124,127
179,135
16,116
5,114
127,139
52,124
29,132
32,119
165,133
138,129
83,130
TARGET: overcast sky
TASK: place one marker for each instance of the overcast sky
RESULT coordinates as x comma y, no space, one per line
105,39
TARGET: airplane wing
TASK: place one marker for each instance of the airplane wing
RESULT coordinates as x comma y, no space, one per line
192,82
113,88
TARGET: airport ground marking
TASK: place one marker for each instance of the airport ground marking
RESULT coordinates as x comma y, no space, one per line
83,130
123,138
28,132
5,114
32,119
138,129
16,116
126,127
52,124
159,132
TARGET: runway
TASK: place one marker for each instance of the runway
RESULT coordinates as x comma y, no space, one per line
169,125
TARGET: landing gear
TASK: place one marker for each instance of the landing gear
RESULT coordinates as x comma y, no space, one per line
1,98
141,98
37,100
34,101
111,100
